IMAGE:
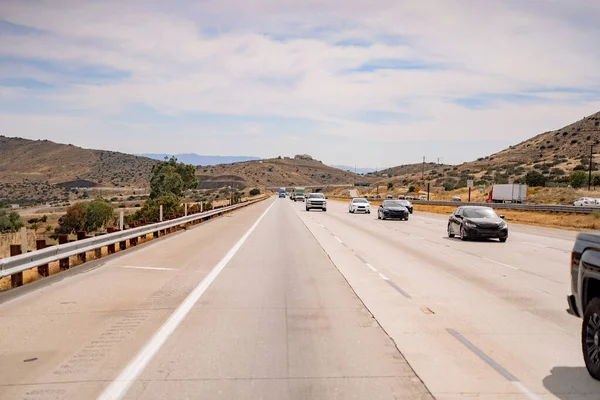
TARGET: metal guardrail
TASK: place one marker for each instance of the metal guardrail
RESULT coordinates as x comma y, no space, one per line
508,206
14,265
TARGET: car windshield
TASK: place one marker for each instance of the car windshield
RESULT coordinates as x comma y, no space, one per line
392,203
316,196
479,213
359,201
404,202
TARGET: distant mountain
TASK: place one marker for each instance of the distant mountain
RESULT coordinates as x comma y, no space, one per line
196,159
352,169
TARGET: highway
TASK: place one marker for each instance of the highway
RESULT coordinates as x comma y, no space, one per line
273,302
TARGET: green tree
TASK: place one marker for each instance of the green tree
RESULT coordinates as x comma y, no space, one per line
390,185
165,180
169,176
73,220
411,189
534,178
596,180
99,214
10,222
254,192
151,209
86,216
578,179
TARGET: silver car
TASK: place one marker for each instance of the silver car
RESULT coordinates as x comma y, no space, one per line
359,204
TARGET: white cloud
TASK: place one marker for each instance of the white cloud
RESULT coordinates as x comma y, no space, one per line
279,59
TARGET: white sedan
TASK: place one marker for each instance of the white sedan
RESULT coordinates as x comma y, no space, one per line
586,202
359,204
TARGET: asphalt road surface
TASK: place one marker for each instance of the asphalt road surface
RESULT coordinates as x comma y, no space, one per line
273,302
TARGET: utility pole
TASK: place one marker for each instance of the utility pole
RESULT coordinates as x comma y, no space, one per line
423,171
590,171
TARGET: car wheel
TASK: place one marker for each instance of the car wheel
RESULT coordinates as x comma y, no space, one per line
324,210
463,235
307,209
369,212
450,234
590,338
502,240
378,215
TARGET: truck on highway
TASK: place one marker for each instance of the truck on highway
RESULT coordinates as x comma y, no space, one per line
509,193
584,300
299,194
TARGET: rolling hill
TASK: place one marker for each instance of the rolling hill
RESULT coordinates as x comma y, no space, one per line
297,171
41,169
554,154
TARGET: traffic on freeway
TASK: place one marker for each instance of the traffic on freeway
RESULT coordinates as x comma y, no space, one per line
277,302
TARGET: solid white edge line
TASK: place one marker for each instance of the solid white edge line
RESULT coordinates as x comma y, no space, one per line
385,278
119,387
372,267
152,268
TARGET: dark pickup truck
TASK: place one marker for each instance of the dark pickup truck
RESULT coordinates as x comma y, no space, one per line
584,301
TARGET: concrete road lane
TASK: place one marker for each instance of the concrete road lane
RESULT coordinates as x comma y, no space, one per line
278,322
475,319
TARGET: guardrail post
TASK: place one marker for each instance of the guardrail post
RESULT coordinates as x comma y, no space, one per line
161,213
201,206
185,211
43,270
98,251
64,262
111,247
16,279
121,219
82,256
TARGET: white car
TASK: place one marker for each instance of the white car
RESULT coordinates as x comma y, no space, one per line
586,202
359,204
316,200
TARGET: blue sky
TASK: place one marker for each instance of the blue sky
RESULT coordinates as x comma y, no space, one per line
377,83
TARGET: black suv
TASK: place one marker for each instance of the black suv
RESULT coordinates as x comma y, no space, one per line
584,301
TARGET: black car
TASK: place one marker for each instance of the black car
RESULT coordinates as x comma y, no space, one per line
472,222
407,204
392,209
